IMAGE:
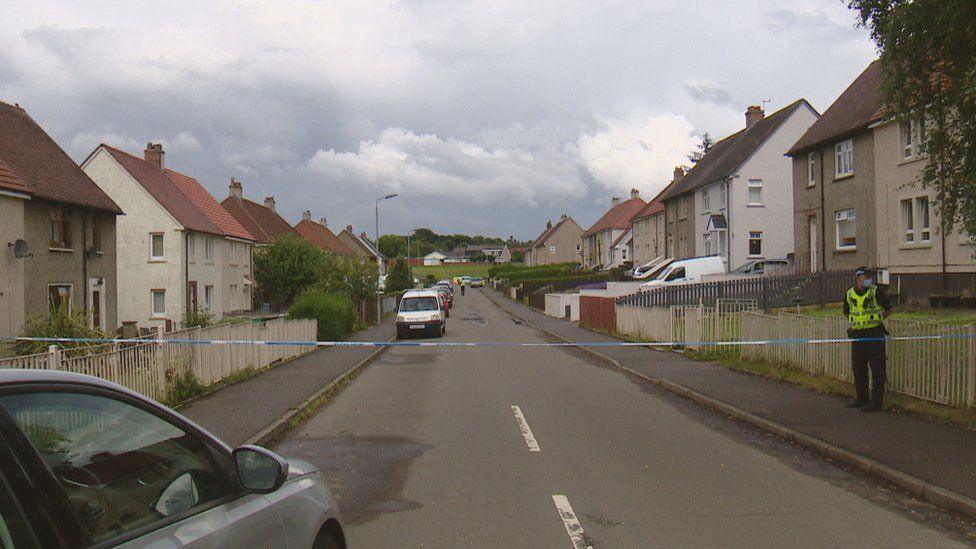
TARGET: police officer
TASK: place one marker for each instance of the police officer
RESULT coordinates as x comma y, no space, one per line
866,308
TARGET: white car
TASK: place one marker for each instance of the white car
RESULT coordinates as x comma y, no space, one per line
686,271
421,312
85,462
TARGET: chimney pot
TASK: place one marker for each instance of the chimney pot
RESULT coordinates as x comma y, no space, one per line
635,193
679,172
614,201
307,215
563,216
154,154
754,114
269,202
349,228
549,224
236,188
323,222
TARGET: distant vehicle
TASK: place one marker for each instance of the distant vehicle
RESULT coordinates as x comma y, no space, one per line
477,282
447,282
446,298
421,312
88,462
686,271
651,268
466,280
759,266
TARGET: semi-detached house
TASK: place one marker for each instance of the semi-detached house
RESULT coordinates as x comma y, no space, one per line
178,248
604,243
559,243
857,200
261,220
736,201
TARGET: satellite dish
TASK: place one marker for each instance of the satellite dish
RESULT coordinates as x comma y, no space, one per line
20,248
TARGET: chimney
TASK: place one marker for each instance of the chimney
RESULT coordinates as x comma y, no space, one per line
679,172
614,201
323,222
549,224
363,235
635,193
754,114
563,216
236,188
269,203
349,228
307,215
154,154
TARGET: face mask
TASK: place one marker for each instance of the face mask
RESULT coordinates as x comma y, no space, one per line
868,283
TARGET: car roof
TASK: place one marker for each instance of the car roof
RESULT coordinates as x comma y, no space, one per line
419,293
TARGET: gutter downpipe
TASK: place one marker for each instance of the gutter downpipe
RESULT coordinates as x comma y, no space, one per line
84,263
823,217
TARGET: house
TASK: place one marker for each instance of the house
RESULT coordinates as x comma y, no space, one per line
434,258
857,200
736,201
319,235
58,231
559,243
648,227
603,238
178,249
362,247
261,220
499,253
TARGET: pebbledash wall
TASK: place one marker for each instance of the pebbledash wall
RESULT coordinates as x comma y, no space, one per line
12,269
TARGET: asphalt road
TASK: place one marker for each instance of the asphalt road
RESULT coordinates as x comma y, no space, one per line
425,449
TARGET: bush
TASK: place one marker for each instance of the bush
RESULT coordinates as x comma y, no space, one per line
59,323
334,313
398,278
197,317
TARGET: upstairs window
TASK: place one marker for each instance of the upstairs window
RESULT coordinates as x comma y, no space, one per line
156,249
208,249
704,200
913,136
60,227
922,205
722,196
811,171
755,192
191,249
552,248
844,158
96,234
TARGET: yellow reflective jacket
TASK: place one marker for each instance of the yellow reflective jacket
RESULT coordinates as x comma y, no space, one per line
865,313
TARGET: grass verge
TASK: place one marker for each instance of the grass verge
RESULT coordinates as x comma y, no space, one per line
451,270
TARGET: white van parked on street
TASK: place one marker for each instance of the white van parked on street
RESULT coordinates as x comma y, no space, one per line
686,271
421,312
652,267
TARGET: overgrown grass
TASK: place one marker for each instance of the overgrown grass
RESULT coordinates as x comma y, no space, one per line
954,317
187,386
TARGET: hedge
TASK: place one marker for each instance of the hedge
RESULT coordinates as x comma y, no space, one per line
335,314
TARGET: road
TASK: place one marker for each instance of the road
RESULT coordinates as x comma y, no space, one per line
426,449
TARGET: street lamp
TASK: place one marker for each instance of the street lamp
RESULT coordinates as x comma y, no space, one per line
379,310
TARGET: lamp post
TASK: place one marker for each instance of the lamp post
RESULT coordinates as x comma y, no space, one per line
379,310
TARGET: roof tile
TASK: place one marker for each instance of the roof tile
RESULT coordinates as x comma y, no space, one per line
263,223
321,237
206,203
617,217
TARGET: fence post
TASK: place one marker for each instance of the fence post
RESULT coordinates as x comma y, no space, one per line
765,295
971,397
53,357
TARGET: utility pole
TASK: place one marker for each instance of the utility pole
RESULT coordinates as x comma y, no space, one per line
379,304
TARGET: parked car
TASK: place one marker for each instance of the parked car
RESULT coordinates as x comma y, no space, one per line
445,295
759,266
84,462
449,293
686,271
651,268
477,282
421,312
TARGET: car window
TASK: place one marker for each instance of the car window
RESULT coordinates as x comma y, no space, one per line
677,273
412,304
121,467
14,531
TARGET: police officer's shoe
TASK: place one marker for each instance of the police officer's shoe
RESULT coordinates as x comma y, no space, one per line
857,404
872,408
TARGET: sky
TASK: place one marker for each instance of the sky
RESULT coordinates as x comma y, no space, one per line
486,117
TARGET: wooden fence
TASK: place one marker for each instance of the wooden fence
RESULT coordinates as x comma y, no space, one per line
598,313
149,368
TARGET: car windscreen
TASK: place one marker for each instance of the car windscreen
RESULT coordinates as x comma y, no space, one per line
411,304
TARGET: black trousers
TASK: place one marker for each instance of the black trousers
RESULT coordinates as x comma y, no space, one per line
865,356
462,290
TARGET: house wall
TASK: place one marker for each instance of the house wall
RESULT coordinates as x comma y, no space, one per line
857,192
137,274
50,265
12,270
235,271
649,233
566,238
806,206
682,229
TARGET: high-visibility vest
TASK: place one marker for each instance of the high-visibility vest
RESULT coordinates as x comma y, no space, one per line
864,309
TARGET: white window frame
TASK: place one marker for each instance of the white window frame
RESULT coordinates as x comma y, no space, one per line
906,130
907,212
848,215
162,245
706,207
208,249
71,293
754,184
191,249
811,169
924,207
722,196
552,249
153,313
844,158
707,244
755,235
208,297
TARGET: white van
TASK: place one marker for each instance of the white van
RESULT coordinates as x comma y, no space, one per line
421,312
652,267
686,271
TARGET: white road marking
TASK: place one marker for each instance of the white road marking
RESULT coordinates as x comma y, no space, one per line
526,432
572,524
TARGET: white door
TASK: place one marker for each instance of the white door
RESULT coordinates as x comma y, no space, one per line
814,263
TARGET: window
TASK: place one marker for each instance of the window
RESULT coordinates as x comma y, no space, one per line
121,467
96,234
60,227
755,244
208,249
908,220
158,298
724,198
755,192
579,248
675,274
811,171
707,244
233,298
913,136
191,249
844,158
552,248
908,149
722,243
156,246
704,201
922,205
59,297
682,207
208,297
14,526
846,228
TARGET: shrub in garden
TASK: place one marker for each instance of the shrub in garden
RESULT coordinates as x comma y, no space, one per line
334,313
59,323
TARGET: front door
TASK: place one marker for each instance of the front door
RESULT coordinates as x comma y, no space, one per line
96,303
191,295
814,263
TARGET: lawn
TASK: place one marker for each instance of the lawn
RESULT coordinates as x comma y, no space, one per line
451,270
954,317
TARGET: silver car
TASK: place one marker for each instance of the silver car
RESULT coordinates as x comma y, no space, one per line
85,462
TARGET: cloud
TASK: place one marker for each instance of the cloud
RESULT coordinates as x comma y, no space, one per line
814,21
183,142
83,143
708,91
638,153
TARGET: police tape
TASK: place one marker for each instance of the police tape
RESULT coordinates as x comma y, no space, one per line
402,343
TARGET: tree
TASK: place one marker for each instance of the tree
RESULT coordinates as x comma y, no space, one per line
704,146
928,64
342,274
285,267
517,256
398,278
393,245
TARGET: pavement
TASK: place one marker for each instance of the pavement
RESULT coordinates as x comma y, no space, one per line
935,452
239,412
549,447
